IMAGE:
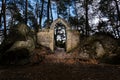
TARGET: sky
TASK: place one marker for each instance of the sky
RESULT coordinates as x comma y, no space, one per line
93,21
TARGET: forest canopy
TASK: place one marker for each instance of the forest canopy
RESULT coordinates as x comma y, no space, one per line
87,16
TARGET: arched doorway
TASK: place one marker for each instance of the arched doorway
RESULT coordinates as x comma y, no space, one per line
58,23
60,36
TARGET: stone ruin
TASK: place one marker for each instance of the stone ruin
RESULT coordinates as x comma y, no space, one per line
46,37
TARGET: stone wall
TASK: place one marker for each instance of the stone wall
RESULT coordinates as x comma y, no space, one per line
46,38
72,40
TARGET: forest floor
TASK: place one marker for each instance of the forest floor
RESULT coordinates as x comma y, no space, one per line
54,67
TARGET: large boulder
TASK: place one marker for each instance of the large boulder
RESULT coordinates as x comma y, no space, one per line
28,44
98,45
100,51
19,42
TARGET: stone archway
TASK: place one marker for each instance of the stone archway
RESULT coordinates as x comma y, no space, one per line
60,20
46,37
67,27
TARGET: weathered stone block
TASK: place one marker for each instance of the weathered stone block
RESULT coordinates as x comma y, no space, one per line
46,38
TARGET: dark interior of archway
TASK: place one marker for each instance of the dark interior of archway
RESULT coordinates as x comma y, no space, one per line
60,36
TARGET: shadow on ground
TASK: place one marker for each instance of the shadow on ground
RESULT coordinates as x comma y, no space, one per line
61,71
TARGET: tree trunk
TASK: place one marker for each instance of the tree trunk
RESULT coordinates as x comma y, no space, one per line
0,20
40,21
76,14
51,12
26,10
48,10
68,9
118,22
57,9
37,11
1,13
112,24
86,15
118,11
4,16
37,16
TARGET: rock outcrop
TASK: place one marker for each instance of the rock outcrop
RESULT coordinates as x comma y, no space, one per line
18,45
102,47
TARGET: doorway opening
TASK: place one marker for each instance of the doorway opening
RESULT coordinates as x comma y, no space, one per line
60,36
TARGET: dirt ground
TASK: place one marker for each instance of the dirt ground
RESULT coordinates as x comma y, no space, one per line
47,71
60,66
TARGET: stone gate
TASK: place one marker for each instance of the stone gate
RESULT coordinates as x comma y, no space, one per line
46,37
